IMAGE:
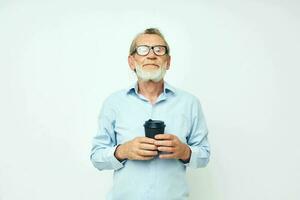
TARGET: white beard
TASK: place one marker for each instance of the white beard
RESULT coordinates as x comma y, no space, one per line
156,75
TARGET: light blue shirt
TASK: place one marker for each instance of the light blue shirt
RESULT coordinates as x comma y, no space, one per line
121,119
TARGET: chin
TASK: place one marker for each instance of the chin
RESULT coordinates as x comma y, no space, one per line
151,68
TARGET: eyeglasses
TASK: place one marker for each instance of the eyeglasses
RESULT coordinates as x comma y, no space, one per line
144,50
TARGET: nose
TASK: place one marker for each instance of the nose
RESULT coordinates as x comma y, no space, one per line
151,55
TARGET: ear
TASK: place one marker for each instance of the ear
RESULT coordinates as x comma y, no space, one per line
131,62
168,62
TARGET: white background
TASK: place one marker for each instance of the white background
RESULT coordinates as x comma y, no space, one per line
60,59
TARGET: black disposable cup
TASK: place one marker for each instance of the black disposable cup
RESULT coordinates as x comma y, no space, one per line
154,127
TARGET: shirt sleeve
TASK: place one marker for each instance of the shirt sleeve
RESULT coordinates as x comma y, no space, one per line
104,143
197,139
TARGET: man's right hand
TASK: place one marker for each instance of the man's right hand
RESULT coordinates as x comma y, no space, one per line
140,148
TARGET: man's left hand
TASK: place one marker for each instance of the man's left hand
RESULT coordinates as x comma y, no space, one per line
171,144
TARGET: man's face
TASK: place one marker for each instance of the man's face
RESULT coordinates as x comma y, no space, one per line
150,62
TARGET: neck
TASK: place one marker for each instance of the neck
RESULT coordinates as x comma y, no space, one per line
150,89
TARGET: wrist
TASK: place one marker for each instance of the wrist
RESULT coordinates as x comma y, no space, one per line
187,153
120,152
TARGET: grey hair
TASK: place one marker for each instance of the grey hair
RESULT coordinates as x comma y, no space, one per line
154,31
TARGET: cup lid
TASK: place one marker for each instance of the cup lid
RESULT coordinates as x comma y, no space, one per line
154,123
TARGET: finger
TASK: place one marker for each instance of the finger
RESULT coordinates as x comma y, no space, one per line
167,156
146,140
147,153
164,136
144,157
168,143
166,149
148,146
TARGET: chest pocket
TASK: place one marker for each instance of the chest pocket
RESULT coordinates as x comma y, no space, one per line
179,125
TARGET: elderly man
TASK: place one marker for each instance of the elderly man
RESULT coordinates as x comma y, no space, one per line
150,168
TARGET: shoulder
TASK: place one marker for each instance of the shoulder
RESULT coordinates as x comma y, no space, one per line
115,97
187,96
110,104
191,102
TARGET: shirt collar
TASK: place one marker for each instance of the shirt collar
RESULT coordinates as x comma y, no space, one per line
167,88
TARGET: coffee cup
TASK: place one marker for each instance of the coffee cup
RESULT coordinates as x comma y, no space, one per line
154,127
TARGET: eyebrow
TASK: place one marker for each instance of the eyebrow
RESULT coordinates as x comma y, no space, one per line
150,45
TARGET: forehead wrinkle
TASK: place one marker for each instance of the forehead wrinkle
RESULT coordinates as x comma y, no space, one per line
149,40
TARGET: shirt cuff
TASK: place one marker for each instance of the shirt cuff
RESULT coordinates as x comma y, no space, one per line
188,160
116,164
192,162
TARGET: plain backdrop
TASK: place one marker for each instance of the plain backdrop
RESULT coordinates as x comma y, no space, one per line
60,59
